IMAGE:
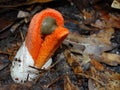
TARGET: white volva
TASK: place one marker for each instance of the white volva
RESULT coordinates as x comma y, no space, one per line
21,70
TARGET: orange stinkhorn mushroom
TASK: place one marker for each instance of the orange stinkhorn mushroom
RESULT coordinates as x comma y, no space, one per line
45,33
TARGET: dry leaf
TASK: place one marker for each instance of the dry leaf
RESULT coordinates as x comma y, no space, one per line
116,4
89,16
74,47
109,79
95,44
23,14
97,65
105,36
73,61
107,20
4,23
110,59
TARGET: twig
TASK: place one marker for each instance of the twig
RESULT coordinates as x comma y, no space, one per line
44,70
22,36
54,81
15,26
41,70
87,76
5,53
29,2
53,65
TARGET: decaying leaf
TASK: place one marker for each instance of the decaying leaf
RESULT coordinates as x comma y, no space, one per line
74,47
4,23
89,16
81,52
110,59
15,86
104,36
107,20
97,65
73,61
10,50
98,43
110,80
116,4
78,63
68,85
95,44
23,14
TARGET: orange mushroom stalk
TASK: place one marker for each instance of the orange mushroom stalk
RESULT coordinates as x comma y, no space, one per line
45,34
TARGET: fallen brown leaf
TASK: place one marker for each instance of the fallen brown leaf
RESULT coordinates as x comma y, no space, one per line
89,16
5,23
110,59
97,65
110,79
107,20
95,44
105,36
73,62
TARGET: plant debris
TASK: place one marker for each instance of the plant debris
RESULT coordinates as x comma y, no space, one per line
88,59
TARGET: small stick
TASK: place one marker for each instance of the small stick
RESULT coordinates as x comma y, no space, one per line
54,81
87,76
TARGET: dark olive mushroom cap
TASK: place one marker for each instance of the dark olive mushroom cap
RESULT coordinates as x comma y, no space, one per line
48,25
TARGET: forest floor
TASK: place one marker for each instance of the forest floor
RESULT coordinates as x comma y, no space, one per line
88,59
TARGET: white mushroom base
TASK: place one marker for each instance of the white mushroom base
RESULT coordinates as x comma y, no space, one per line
21,70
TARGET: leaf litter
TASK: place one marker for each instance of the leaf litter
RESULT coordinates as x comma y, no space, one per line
82,62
